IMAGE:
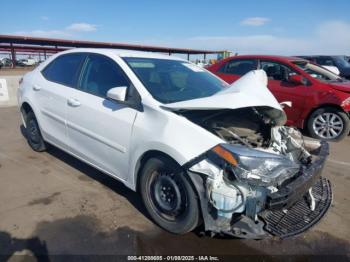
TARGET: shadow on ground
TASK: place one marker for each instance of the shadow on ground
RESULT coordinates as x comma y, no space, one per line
90,172
10,246
81,235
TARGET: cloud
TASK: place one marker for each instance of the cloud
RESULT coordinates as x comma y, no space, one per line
67,32
81,27
330,37
255,21
45,18
44,33
334,35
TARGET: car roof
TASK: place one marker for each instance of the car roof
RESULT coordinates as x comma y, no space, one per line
122,53
313,56
272,57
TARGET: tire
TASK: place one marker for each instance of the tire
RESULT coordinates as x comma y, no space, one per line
328,124
161,180
33,134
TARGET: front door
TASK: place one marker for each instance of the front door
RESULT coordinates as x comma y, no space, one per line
99,129
285,91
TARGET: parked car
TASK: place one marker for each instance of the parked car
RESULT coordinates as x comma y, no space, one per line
341,62
20,62
195,148
7,62
26,62
320,100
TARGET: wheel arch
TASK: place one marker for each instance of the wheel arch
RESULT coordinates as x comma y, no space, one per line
143,160
25,109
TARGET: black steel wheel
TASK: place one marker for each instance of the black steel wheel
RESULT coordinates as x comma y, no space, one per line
169,196
33,134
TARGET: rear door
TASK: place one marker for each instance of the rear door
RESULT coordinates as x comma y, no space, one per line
235,68
99,129
51,90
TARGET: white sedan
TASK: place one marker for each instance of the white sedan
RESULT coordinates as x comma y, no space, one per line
197,150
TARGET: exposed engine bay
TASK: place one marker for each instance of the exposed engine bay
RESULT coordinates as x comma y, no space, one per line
252,127
252,172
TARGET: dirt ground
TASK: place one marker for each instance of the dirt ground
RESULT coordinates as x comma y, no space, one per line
5,71
53,204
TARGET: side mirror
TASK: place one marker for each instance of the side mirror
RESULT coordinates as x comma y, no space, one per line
296,79
117,93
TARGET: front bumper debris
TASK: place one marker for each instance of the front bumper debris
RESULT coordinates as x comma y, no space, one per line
286,212
299,217
290,193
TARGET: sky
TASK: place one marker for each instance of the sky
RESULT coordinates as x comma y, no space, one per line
245,27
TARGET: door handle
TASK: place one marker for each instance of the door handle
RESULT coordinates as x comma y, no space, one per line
36,87
73,102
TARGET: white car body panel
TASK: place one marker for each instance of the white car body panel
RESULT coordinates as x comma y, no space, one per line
171,134
99,131
52,102
113,137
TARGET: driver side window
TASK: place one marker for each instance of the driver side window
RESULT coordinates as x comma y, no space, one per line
276,71
100,74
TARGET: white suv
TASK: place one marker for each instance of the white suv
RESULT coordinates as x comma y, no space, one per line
198,150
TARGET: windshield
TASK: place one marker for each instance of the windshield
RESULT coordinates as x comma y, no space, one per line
341,61
171,81
317,72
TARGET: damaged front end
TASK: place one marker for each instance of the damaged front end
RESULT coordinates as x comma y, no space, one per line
265,180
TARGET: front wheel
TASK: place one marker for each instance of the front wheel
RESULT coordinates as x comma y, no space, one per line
169,196
328,124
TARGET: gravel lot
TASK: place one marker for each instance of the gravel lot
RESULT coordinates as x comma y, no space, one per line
51,203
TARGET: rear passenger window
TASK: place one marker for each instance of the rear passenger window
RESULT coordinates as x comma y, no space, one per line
238,67
64,69
101,74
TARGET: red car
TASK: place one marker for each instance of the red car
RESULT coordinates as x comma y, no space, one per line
320,100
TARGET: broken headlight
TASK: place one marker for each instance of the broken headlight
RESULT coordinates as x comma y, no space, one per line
254,166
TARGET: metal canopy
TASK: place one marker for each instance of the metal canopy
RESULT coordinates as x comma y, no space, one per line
24,40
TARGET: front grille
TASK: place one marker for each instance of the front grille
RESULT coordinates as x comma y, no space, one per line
298,218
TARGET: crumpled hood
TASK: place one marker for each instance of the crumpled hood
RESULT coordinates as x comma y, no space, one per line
248,91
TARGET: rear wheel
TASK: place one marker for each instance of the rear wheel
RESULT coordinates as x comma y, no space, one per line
33,134
328,124
168,196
